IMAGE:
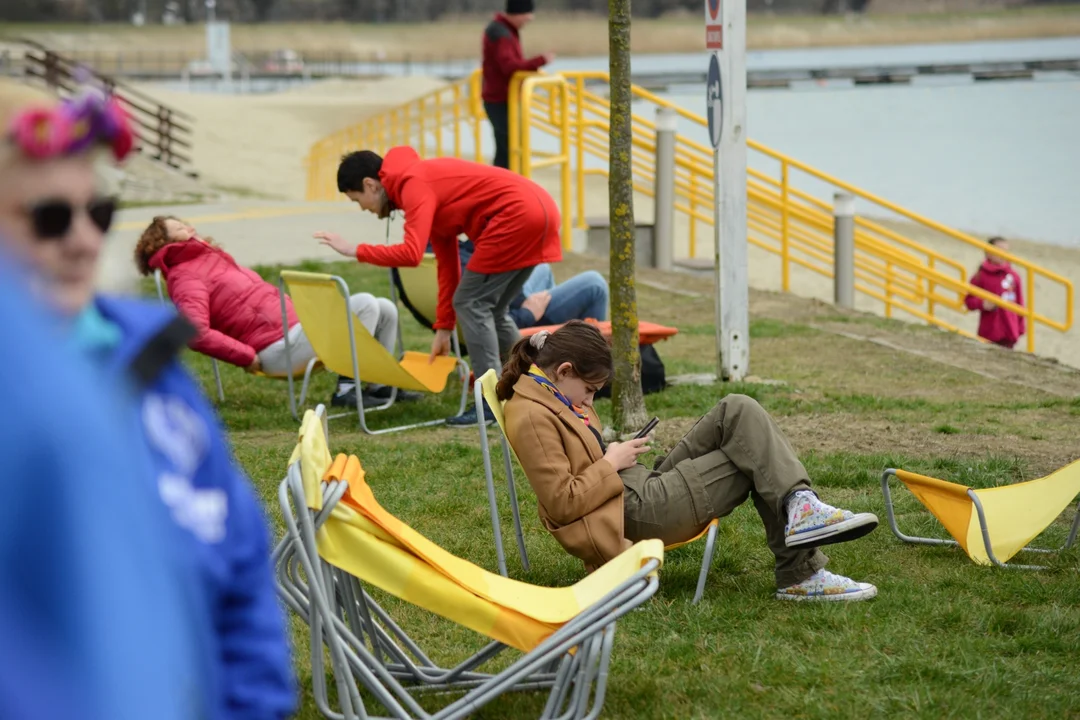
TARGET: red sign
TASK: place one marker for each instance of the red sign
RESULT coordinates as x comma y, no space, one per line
714,37
714,24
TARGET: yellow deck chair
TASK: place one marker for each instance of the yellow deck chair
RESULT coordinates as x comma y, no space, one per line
420,292
312,366
485,387
344,346
345,542
991,524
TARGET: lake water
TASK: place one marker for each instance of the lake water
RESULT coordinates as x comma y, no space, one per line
999,157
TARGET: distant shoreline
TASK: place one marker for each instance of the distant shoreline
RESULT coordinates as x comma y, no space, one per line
567,36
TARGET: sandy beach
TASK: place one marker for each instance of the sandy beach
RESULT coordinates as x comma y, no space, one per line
255,144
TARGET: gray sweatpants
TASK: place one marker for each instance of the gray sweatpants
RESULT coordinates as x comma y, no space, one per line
378,315
481,303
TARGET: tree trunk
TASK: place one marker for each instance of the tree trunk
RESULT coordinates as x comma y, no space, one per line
626,399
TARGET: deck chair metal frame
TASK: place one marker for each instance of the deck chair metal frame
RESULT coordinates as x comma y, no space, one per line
159,280
709,532
368,649
361,412
917,540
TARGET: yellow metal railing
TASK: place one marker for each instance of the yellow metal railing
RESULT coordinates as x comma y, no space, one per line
557,120
783,219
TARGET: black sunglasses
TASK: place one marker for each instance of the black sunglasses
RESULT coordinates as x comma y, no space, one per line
52,219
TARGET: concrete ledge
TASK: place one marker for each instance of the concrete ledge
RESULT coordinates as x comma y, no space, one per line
596,240
695,266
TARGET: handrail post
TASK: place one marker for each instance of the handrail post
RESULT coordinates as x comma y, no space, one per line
888,288
475,107
521,132
567,240
664,195
457,121
1031,309
438,126
931,305
843,250
785,243
580,85
692,248
419,128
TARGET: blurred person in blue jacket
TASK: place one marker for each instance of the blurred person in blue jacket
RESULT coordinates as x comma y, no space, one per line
96,619
53,213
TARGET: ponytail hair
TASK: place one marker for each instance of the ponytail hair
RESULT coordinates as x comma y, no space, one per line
578,343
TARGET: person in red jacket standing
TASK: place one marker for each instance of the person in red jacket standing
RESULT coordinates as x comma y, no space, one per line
513,223
502,58
995,275
238,314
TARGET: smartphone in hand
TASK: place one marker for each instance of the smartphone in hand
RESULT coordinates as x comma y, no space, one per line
648,428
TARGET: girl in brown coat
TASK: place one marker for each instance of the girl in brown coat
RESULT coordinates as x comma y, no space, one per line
596,499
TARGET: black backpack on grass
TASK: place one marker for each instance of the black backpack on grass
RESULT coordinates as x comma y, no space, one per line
653,378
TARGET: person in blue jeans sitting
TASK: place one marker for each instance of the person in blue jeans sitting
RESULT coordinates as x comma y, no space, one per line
543,302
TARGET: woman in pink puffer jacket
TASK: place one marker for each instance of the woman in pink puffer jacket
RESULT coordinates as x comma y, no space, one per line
238,314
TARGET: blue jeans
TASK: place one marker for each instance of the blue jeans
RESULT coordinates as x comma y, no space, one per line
582,296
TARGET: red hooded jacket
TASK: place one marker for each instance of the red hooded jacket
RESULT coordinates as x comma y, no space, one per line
236,312
502,58
998,325
513,222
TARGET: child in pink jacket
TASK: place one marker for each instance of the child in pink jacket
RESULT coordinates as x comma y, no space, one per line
995,275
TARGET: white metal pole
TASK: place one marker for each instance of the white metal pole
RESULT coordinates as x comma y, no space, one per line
664,196
729,166
844,250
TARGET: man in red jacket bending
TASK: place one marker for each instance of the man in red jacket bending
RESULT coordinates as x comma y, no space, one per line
502,58
513,223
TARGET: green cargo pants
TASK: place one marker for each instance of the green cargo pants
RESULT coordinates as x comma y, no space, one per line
735,450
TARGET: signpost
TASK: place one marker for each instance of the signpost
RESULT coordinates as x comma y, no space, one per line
218,45
725,38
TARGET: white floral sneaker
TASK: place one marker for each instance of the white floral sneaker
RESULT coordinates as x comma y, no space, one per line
824,586
812,522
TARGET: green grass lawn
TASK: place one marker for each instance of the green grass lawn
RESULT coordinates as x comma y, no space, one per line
944,638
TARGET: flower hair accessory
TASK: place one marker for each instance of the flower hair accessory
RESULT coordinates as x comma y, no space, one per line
77,123
538,340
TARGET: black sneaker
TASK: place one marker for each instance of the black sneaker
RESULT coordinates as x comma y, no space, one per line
468,418
346,397
382,394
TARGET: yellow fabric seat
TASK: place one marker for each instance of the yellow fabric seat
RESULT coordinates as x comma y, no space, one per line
991,524
344,346
569,627
417,570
